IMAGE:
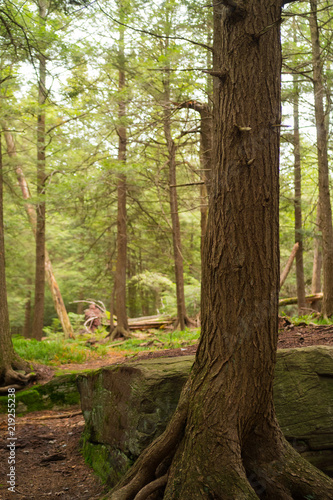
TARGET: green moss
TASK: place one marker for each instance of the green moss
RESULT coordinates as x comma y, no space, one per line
60,392
108,463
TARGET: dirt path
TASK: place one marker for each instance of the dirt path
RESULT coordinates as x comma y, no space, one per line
49,464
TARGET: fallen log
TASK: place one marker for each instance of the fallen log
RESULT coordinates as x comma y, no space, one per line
293,300
147,322
147,325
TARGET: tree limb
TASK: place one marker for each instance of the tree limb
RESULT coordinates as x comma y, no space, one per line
146,32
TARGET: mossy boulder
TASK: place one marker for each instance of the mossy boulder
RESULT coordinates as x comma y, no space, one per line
126,406
58,394
303,395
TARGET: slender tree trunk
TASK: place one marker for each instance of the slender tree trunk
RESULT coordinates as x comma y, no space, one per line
224,441
205,159
176,236
317,262
120,276
323,172
132,296
298,204
8,359
6,351
38,322
27,314
31,213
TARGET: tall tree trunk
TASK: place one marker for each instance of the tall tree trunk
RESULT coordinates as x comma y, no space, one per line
182,319
27,314
224,440
298,204
323,172
317,262
9,361
38,322
31,213
205,159
120,275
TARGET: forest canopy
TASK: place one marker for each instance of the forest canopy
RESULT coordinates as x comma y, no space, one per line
164,52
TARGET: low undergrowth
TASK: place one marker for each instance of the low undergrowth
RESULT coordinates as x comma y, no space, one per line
309,319
55,350
155,340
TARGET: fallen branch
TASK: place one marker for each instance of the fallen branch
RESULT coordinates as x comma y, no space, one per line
17,387
51,417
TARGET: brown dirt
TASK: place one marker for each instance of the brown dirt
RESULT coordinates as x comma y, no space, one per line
48,460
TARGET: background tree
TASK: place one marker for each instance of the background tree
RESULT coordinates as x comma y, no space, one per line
298,204
38,321
323,172
120,275
9,361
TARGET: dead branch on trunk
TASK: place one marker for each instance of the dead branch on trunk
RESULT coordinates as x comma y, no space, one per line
287,268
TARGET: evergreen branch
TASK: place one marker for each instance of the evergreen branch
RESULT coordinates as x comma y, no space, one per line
156,35
18,25
187,184
65,121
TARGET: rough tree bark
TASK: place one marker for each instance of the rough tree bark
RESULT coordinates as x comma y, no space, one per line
223,441
31,213
9,361
323,171
121,330
38,321
301,304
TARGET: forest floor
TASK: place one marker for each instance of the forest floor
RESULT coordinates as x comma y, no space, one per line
49,464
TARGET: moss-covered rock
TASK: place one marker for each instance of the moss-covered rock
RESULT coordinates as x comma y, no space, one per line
303,395
126,406
60,393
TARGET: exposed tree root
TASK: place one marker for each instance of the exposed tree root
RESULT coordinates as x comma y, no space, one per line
188,322
10,378
279,475
295,476
151,487
288,476
119,332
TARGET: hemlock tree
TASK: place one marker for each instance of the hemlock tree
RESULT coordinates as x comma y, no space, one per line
32,217
224,440
38,321
9,361
323,170
120,274
301,303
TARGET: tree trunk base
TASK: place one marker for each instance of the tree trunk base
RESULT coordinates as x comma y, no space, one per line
187,323
10,378
119,332
280,474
